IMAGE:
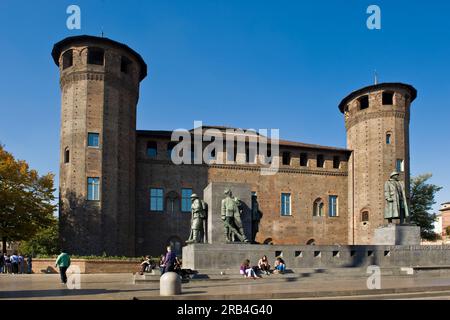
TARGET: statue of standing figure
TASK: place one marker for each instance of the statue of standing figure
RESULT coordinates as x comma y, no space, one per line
231,217
199,213
396,202
256,218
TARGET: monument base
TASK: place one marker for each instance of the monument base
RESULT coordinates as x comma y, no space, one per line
394,234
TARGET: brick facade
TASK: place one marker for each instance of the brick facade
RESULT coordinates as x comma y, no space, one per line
102,98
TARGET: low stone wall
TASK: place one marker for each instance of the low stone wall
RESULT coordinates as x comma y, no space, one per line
88,266
230,256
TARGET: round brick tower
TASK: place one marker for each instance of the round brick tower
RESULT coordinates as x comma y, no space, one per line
99,81
377,123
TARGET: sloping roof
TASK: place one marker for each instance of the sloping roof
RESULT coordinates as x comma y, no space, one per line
285,143
59,46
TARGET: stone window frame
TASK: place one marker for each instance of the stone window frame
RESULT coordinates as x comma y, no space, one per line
360,100
304,156
66,155
288,158
400,165
365,213
321,157
96,193
64,57
388,92
289,212
93,134
317,210
337,159
90,57
389,135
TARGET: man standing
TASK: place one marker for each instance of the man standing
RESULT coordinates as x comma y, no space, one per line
198,216
396,202
63,262
231,216
169,260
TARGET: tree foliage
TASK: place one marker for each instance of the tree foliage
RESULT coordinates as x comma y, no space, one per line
44,243
422,201
25,199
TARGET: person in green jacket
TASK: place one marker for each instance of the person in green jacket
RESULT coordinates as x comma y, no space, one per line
63,262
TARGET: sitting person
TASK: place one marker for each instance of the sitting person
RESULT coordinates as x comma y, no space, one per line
263,265
145,265
279,266
177,266
162,263
247,271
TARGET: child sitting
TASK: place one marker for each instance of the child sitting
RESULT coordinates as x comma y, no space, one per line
280,266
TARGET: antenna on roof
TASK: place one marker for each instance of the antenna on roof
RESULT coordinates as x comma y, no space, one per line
102,33
376,77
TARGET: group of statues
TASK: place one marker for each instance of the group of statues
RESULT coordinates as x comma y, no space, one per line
396,207
231,211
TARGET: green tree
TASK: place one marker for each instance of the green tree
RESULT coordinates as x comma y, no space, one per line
422,201
45,242
25,199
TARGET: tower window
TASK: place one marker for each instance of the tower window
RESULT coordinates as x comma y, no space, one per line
318,208
388,98
363,102
303,159
152,149
333,207
336,162
156,199
93,139
125,65
365,216
388,138
286,158
66,155
67,59
320,161
96,56
400,165
93,189
285,204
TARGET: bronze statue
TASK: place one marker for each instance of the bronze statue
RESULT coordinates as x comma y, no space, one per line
231,217
256,217
198,209
396,202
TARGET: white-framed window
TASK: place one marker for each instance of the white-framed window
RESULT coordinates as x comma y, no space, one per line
333,206
93,189
400,165
286,204
186,200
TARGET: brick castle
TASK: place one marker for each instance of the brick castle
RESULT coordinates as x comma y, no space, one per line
121,194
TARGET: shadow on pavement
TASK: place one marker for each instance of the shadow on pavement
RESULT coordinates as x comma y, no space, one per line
60,293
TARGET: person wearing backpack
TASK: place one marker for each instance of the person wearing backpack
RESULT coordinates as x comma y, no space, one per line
198,209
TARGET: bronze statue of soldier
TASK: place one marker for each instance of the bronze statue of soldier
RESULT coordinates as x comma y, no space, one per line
231,217
396,202
198,211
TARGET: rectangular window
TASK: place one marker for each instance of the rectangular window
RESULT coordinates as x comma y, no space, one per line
125,64
186,200
320,161
286,158
152,149
388,98
336,162
93,139
303,159
285,204
388,138
400,167
332,206
95,56
156,199
67,58
93,189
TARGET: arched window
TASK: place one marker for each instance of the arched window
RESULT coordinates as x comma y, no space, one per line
365,216
152,149
66,155
388,138
363,102
318,209
311,242
67,59
268,241
172,202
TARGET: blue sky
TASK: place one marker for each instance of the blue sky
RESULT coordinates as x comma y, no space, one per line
252,63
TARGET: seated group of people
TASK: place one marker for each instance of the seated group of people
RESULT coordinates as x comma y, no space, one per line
263,267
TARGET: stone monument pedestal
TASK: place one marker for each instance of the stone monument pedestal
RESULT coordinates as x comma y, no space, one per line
394,234
213,195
